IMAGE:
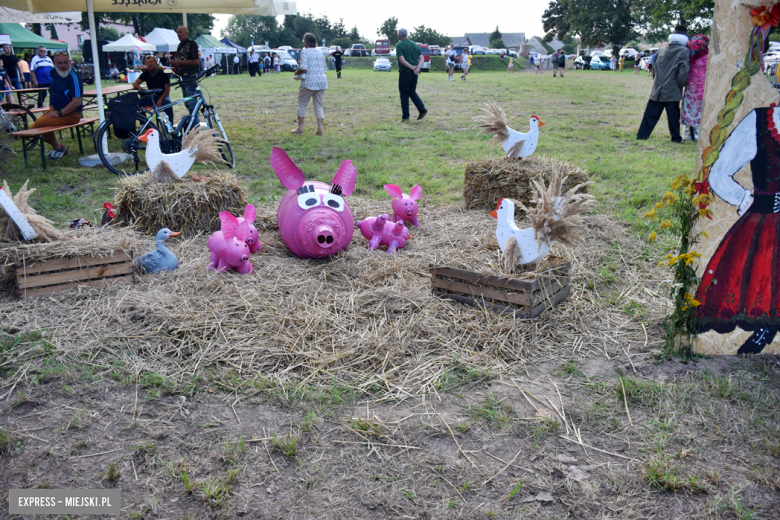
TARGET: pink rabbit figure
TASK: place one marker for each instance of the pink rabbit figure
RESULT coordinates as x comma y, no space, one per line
250,214
404,206
379,231
228,247
314,219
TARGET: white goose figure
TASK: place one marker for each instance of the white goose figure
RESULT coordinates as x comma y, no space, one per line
179,162
530,250
516,144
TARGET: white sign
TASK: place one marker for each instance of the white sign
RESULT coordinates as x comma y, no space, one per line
12,211
8,15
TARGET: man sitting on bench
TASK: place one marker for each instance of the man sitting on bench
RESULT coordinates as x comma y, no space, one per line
66,91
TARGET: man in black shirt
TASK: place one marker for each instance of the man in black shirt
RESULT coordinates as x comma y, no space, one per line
337,54
187,66
11,65
155,79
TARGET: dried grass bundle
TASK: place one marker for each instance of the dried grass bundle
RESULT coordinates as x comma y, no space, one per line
485,182
188,207
164,173
9,232
558,217
361,318
206,145
493,122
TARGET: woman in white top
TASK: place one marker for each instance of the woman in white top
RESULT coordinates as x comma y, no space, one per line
314,83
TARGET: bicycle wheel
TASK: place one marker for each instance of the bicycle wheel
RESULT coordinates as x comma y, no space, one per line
225,150
17,114
124,142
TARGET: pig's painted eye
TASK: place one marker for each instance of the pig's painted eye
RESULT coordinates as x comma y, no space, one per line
308,200
333,202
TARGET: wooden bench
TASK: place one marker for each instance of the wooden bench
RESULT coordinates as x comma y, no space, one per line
24,113
34,136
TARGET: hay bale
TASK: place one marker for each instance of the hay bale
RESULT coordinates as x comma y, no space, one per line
484,182
187,206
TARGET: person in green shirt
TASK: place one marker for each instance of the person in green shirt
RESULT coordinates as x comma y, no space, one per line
410,62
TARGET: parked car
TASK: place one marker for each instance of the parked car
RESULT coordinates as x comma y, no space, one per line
426,52
582,62
513,54
285,47
381,47
476,49
286,62
600,63
435,50
648,52
324,50
357,49
392,52
259,48
643,62
629,54
383,63
596,53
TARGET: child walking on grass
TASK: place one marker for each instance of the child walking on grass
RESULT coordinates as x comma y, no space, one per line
511,67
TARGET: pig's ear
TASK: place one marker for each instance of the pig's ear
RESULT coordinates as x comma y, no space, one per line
393,190
250,213
345,178
223,216
291,176
229,229
416,193
242,231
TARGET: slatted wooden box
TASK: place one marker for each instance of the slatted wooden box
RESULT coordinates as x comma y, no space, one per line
45,277
523,298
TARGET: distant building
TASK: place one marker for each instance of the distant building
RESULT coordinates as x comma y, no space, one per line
537,44
511,40
74,36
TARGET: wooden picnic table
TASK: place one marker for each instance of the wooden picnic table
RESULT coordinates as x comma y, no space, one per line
107,91
19,93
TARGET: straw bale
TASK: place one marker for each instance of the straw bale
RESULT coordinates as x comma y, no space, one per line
360,318
187,206
485,182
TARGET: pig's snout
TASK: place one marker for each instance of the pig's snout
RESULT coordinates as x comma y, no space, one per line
244,258
324,235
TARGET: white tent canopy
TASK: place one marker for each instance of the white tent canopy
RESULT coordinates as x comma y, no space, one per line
127,43
8,15
165,40
257,7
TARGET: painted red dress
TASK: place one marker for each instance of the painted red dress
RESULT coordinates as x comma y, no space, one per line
741,285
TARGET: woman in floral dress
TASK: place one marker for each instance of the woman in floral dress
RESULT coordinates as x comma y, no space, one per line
694,89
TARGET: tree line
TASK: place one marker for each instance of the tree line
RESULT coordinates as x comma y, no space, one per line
244,29
617,22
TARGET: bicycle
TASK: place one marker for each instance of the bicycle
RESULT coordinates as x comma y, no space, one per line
170,142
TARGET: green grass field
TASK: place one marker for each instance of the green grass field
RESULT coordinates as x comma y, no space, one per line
591,120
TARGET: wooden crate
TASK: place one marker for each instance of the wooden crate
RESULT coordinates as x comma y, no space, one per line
43,278
523,298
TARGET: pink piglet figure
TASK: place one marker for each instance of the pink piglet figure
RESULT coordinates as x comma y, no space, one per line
404,206
379,231
250,214
229,248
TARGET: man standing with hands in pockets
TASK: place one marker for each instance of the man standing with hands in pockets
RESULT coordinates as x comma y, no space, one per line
410,60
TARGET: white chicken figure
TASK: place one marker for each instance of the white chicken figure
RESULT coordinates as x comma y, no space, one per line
179,162
516,144
530,249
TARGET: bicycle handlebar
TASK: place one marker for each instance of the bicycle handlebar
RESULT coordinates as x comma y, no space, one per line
199,76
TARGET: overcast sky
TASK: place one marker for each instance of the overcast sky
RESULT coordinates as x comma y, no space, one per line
449,18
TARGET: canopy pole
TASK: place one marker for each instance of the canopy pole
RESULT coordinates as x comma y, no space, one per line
96,60
184,19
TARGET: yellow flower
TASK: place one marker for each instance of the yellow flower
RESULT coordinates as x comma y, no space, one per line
705,234
695,201
684,308
650,214
668,256
659,205
660,264
666,224
675,185
691,301
696,254
652,237
704,212
669,198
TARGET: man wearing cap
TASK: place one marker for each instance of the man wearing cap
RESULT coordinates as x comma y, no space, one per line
670,73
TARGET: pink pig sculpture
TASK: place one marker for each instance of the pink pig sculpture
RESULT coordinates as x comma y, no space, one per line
228,247
379,231
404,206
250,214
314,220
